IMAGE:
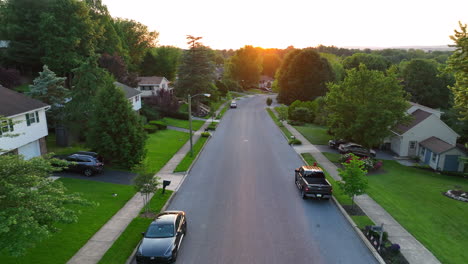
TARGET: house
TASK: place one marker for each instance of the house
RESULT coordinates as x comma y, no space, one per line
26,119
132,94
265,82
428,138
150,85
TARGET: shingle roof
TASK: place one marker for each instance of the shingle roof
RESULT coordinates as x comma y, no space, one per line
149,80
418,116
436,145
129,91
13,103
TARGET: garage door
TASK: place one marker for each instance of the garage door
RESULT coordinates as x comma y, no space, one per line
451,163
30,150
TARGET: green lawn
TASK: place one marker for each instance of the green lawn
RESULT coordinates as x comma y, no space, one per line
131,236
414,198
52,146
22,88
283,129
63,245
315,134
333,157
196,124
161,146
188,160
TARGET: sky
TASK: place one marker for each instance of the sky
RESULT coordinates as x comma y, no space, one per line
226,24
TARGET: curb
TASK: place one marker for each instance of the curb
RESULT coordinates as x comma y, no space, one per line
353,225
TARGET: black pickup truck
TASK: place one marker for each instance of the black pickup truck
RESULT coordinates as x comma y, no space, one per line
310,180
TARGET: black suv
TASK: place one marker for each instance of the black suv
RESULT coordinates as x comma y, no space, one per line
88,163
356,149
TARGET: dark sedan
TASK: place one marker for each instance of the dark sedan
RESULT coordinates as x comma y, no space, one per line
335,143
161,242
87,163
356,149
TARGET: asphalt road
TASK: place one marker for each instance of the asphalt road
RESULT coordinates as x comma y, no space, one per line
243,207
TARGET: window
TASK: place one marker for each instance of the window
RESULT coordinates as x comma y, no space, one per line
412,144
32,118
422,151
137,98
434,157
6,126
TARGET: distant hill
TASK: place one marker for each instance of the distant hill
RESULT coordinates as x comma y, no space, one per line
425,48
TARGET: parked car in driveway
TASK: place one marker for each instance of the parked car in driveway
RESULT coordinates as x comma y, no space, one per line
335,143
162,239
356,149
88,164
233,104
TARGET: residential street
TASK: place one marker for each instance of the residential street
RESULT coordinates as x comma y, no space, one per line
243,207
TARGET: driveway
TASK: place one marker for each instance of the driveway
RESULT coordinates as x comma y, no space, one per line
110,176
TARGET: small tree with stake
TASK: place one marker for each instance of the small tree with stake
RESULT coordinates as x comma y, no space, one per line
353,177
146,184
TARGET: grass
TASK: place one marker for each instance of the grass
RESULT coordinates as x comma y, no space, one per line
131,236
52,146
223,111
333,157
362,221
315,134
414,198
72,237
22,88
283,129
161,146
188,160
196,124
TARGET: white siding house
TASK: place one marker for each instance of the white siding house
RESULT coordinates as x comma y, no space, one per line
429,138
26,119
132,94
150,85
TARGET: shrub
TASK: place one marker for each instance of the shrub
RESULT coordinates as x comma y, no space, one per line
150,129
269,101
369,163
159,124
205,134
150,113
295,123
177,115
295,141
212,126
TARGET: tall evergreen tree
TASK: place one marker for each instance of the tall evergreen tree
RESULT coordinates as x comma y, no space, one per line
116,131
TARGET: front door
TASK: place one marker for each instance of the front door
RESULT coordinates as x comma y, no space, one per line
412,148
427,158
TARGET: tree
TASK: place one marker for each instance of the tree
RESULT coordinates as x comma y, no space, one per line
117,67
136,39
458,65
148,65
372,61
116,131
365,106
196,70
245,67
271,62
167,61
426,84
336,64
303,76
146,184
31,203
282,112
9,78
353,177
49,88
163,101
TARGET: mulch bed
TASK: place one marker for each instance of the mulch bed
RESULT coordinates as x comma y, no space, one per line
353,210
459,195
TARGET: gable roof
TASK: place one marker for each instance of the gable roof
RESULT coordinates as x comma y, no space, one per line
149,80
418,116
129,91
436,145
425,108
13,103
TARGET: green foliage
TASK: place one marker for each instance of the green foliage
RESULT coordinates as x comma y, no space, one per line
458,66
271,62
245,67
269,101
115,130
353,177
282,112
150,129
365,105
315,134
146,184
336,64
185,164
303,76
148,65
167,61
205,134
294,141
426,84
372,62
49,88
149,112
159,124
303,111
31,203
196,72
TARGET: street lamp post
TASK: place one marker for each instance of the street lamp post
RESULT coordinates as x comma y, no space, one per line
190,118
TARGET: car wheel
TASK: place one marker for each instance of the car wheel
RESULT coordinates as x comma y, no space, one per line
88,172
303,195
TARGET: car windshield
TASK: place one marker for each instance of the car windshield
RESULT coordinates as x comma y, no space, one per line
160,231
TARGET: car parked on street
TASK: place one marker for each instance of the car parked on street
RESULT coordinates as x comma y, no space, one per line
335,143
311,181
87,163
162,239
233,104
357,150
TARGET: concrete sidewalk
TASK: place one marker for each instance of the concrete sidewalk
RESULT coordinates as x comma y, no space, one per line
98,245
411,248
